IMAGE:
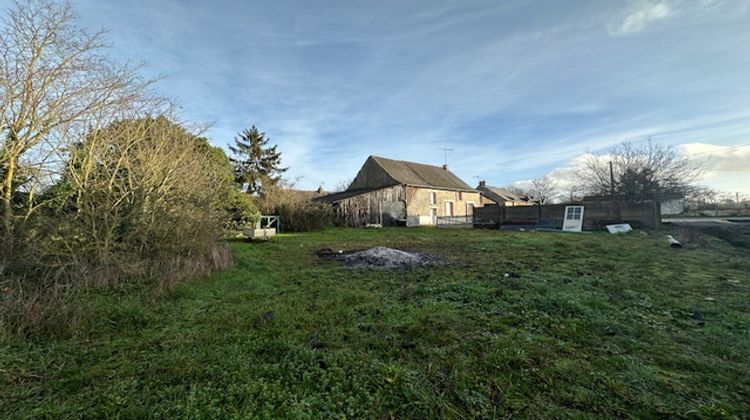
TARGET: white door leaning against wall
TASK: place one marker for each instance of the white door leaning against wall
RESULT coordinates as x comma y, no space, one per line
573,221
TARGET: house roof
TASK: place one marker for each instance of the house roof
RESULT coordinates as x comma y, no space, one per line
379,172
500,194
382,172
305,194
336,197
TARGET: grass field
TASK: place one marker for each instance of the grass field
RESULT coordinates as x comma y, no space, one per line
581,325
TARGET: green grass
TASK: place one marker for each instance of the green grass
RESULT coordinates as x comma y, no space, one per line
583,325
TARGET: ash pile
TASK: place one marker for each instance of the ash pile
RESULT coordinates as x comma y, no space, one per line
378,257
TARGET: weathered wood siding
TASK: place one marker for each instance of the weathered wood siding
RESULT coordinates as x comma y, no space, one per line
386,206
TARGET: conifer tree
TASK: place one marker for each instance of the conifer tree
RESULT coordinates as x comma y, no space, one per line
257,167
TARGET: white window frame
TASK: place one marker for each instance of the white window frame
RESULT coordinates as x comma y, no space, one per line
433,198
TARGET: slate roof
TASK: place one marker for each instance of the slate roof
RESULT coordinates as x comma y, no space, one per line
420,175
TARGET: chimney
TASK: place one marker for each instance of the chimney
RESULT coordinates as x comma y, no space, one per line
482,183
445,166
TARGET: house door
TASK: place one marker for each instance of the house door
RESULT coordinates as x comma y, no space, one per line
449,208
573,221
433,216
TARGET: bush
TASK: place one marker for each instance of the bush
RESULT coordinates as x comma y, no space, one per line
242,211
298,212
304,216
141,198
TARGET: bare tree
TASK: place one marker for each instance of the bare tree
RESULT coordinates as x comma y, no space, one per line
636,173
518,190
573,192
55,83
343,185
543,189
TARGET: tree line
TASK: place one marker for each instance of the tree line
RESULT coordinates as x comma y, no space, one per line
627,172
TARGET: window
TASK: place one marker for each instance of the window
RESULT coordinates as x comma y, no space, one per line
460,195
433,198
573,213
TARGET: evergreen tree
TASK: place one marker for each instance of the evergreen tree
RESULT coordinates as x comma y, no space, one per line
257,167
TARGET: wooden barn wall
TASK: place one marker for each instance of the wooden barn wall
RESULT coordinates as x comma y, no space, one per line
386,206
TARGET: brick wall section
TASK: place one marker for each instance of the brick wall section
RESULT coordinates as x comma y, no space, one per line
595,214
418,201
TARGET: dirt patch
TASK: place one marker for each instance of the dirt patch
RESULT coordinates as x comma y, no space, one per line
736,234
378,257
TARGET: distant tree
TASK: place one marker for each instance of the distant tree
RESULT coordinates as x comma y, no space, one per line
543,189
572,193
343,185
257,167
518,190
637,173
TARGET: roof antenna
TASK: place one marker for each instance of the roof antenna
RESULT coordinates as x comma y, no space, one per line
445,155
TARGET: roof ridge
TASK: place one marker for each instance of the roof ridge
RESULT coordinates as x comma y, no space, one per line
407,161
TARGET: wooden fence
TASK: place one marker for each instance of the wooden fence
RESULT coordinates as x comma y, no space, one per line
596,215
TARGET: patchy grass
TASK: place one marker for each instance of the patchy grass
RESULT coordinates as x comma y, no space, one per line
529,324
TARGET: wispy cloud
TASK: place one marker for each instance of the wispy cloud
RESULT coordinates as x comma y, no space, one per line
514,91
640,15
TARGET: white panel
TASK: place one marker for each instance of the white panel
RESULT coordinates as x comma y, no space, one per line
573,219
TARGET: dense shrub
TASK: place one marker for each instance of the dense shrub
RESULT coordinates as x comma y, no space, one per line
304,216
141,198
297,210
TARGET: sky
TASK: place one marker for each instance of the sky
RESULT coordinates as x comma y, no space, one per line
517,89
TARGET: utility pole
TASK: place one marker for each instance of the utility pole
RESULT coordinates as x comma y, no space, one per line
611,179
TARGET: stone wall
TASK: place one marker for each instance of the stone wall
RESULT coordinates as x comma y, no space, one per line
419,201
397,205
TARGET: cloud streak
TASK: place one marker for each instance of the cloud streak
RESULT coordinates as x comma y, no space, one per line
641,15
515,88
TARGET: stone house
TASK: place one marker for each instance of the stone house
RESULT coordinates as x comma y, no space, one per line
399,193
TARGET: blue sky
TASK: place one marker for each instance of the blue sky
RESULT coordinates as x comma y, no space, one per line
517,89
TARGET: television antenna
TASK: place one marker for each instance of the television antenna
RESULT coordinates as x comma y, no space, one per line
445,154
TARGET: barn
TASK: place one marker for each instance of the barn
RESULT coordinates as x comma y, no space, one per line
392,192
